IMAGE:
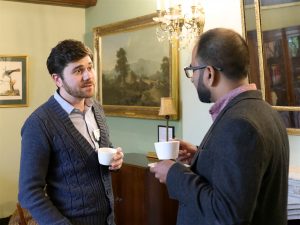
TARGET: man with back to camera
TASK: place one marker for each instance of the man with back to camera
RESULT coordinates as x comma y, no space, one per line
61,181
239,173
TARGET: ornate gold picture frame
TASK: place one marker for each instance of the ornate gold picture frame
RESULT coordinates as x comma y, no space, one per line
134,69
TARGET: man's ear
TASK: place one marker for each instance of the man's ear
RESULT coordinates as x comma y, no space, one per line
57,79
210,76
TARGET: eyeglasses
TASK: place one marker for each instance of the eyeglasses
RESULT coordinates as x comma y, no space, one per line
189,71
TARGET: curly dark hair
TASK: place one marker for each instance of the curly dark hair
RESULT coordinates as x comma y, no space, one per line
225,49
65,52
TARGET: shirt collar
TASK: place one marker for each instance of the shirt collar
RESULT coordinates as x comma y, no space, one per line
222,102
68,107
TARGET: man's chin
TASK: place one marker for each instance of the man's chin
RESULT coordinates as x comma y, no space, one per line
89,91
90,95
204,99
87,94
204,96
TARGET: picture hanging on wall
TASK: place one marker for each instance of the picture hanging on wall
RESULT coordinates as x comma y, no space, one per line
161,133
134,69
13,81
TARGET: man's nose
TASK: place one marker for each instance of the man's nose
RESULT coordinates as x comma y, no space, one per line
87,74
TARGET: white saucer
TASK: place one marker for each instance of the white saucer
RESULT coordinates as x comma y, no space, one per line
152,164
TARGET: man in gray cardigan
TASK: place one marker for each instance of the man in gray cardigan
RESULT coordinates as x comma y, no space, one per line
61,181
239,173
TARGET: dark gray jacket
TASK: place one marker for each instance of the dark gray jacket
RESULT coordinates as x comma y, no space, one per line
239,175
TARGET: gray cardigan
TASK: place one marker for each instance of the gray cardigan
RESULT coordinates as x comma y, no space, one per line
61,181
239,175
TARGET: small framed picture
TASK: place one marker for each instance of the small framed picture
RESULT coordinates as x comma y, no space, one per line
162,133
13,81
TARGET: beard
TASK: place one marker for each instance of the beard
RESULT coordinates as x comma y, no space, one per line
80,92
203,92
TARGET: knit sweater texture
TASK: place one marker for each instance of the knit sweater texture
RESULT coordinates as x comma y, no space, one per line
61,181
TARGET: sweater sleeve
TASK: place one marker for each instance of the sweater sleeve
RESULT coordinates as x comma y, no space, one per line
234,157
35,155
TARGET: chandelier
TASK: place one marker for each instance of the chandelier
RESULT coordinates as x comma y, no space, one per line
181,20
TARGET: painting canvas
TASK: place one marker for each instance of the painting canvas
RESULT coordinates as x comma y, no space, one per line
13,81
135,70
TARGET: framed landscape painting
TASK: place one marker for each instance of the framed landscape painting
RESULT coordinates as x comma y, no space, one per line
13,81
134,69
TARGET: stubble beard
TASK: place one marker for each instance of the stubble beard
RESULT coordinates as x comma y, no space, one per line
203,92
80,92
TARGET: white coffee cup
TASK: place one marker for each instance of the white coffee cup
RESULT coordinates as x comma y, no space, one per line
105,155
167,149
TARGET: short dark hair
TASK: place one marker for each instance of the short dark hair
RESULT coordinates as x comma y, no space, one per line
225,49
65,52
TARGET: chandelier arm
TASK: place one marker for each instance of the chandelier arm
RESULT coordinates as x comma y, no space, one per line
167,27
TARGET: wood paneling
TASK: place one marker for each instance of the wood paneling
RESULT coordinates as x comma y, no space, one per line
71,3
139,197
